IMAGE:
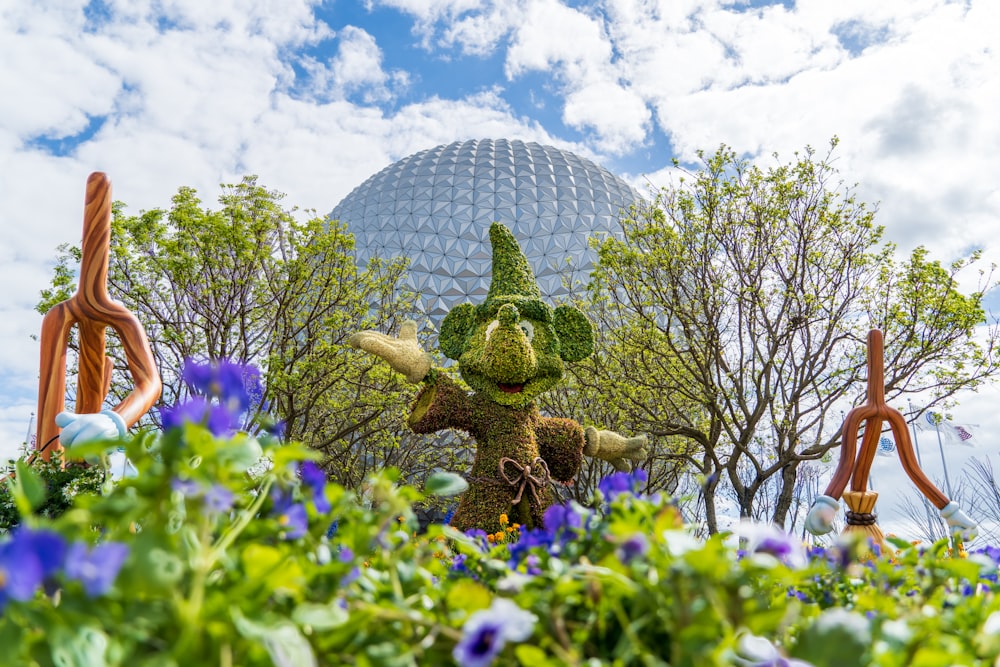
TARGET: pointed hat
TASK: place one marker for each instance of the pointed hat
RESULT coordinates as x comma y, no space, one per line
512,276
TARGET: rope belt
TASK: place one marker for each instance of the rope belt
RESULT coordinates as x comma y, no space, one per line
860,518
525,477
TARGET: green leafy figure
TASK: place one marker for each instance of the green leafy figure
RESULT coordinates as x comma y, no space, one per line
510,349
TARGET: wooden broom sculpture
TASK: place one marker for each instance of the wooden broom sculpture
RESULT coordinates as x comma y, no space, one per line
93,311
860,501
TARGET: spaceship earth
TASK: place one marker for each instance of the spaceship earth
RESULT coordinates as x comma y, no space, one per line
435,208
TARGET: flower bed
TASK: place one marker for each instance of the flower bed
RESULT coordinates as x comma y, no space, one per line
207,557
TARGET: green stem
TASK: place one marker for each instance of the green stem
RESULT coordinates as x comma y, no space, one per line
241,523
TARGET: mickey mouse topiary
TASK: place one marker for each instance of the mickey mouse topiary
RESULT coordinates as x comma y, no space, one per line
510,349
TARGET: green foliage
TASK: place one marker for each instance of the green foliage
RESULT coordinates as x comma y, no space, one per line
455,329
627,584
250,281
737,305
47,488
575,332
512,275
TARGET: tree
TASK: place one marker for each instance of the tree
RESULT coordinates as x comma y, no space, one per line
737,304
252,284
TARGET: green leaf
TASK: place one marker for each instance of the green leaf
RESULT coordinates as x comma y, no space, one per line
527,654
468,596
320,616
837,637
282,639
79,647
28,488
445,484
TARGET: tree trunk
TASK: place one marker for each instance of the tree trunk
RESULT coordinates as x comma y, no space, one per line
789,473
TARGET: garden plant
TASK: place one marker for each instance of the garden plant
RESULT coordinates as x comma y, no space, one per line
234,550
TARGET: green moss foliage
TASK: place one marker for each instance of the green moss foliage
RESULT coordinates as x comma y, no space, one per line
576,334
518,433
455,330
511,273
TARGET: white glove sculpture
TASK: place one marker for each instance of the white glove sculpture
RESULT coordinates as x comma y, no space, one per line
821,515
76,429
959,522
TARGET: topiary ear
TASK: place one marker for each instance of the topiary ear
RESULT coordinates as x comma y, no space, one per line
576,334
455,328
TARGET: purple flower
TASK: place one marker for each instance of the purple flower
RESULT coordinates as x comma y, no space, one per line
487,631
770,539
622,482
291,515
314,478
198,410
218,499
21,569
559,517
528,540
95,568
632,548
186,487
480,537
236,385
48,546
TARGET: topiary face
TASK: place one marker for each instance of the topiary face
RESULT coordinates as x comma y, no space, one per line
512,346
510,358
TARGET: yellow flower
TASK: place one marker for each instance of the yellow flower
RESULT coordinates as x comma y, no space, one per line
503,520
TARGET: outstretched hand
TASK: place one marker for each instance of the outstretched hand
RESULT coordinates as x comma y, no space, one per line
403,354
619,451
80,428
959,523
821,515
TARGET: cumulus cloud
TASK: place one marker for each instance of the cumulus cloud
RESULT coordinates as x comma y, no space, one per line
355,70
163,93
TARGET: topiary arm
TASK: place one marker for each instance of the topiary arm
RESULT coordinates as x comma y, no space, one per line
403,354
560,444
440,405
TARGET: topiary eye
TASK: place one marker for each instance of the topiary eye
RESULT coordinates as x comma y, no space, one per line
528,328
491,327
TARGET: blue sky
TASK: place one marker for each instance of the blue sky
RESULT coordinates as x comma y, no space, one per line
314,97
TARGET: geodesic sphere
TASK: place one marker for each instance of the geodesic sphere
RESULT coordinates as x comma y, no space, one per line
435,208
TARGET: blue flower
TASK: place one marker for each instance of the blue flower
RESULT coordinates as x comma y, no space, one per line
48,546
315,479
632,548
218,499
561,517
770,539
291,516
95,568
528,540
480,537
21,569
487,631
237,386
186,487
198,410
622,482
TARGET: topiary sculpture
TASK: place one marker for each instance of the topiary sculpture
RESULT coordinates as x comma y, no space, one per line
510,349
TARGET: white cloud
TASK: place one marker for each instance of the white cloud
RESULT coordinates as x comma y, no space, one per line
184,92
356,68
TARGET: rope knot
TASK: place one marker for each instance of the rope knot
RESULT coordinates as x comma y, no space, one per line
533,476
